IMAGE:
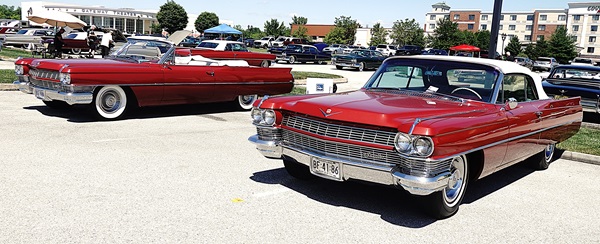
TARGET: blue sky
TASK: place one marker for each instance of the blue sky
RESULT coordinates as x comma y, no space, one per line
257,12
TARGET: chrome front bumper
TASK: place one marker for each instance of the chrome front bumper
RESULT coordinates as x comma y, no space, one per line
44,94
359,171
23,84
346,65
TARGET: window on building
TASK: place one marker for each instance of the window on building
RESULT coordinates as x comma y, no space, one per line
590,50
594,28
470,26
511,27
500,27
109,22
541,27
457,16
562,17
471,17
530,17
543,17
574,38
595,17
432,26
97,20
447,16
527,37
575,28
130,26
529,27
432,17
139,26
120,24
501,17
85,18
577,17
592,39
484,17
484,27
539,37
513,17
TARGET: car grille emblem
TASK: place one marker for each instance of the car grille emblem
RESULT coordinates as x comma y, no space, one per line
327,112
562,91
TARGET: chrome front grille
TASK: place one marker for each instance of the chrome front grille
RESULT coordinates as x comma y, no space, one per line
44,74
53,85
340,131
365,155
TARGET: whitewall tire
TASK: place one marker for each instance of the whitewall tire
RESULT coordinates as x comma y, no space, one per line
110,102
245,102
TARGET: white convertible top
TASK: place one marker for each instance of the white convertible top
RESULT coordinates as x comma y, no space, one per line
505,67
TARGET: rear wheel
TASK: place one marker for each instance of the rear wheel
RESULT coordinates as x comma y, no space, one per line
76,51
542,160
57,104
245,102
361,66
445,203
265,63
110,103
292,59
297,170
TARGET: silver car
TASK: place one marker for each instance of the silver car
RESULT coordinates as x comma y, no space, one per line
544,64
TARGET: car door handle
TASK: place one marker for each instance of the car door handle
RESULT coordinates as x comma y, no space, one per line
539,114
211,73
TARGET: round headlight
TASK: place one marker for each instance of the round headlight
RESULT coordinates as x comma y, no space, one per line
402,142
269,117
256,114
423,146
65,78
18,69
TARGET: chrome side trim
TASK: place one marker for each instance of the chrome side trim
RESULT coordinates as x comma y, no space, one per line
419,120
262,100
197,84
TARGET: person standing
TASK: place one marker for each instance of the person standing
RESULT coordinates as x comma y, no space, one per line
105,44
58,43
510,57
92,40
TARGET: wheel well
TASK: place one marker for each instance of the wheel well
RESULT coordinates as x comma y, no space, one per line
476,163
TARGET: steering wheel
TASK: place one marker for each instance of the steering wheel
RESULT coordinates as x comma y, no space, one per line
467,89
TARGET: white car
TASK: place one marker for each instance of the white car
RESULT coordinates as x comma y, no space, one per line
583,61
222,45
387,50
264,42
335,49
279,42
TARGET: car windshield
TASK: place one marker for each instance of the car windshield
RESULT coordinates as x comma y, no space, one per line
211,45
22,32
580,60
142,50
543,60
444,78
568,72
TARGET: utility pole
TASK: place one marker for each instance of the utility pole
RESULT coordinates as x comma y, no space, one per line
495,28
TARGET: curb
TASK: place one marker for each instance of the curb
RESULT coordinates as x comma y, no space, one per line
580,157
335,81
8,87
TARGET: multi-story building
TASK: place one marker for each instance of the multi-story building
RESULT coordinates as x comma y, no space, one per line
583,20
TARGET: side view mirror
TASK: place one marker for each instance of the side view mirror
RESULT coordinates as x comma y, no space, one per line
511,103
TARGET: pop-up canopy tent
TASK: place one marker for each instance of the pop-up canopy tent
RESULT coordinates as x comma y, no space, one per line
464,50
223,29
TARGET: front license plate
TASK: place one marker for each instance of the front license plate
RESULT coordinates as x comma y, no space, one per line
41,94
325,168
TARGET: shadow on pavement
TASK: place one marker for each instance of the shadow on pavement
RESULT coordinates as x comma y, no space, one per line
395,206
84,114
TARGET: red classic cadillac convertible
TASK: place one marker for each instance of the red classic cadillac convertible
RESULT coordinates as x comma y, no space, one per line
426,124
147,72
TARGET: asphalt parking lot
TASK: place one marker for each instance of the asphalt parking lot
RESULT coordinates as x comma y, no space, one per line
188,174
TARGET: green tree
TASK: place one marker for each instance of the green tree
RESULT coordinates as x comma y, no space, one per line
299,20
9,12
275,28
155,28
482,39
514,46
205,21
344,31
445,35
530,51
172,17
466,37
562,46
300,32
378,34
407,32
541,48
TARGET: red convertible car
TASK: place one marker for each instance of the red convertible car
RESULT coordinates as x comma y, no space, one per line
426,124
232,50
147,72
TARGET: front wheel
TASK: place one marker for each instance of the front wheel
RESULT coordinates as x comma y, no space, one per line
265,63
445,203
361,66
110,102
245,102
292,59
339,67
297,170
76,51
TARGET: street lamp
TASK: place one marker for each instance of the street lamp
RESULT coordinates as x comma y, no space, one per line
503,38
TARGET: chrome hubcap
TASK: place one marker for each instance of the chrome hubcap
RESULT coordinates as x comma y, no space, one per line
549,152
456,181
111,101
247,99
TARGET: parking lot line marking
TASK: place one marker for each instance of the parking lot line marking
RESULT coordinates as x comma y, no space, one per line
271,193
117,139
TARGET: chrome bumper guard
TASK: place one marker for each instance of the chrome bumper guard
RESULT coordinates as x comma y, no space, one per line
23,84
346,65
69,98
354,170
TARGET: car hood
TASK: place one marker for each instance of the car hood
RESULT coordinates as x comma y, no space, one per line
83,65
383,109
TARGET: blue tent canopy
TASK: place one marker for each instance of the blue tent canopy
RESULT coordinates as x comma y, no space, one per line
223,29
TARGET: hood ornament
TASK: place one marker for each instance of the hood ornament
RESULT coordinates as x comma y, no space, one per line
327,112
